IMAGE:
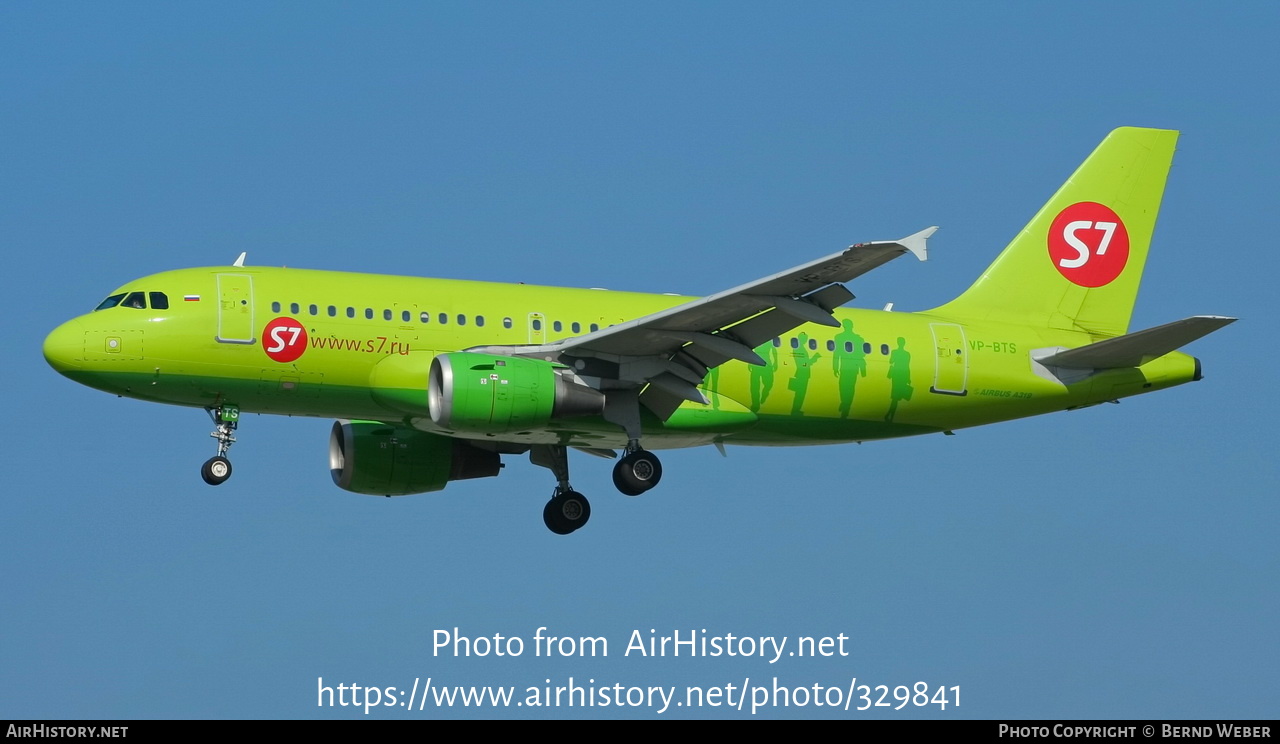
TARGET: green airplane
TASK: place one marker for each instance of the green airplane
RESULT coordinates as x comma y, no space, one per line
434,380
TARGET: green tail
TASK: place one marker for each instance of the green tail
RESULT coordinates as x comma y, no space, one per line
1078,262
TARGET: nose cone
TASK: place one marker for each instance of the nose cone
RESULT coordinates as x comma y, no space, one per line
64,347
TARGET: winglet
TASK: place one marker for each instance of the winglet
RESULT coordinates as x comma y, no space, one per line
916,243
240,260
913,244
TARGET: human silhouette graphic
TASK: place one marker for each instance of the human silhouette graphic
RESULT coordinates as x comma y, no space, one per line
762,377
899,377
849,362
799,384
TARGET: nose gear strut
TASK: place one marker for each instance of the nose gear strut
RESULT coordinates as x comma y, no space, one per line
217,469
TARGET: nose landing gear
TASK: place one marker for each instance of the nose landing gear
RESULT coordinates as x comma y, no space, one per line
216,470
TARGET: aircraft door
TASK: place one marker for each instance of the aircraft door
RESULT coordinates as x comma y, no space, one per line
951,364
235,309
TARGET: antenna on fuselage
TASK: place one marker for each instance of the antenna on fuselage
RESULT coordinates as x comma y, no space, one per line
240,261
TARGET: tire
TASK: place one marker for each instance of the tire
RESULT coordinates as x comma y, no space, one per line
566,512
637,472
216,470
622,484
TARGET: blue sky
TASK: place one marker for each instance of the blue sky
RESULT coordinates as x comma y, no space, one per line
1119,561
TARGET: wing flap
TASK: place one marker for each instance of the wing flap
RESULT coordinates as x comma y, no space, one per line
725,347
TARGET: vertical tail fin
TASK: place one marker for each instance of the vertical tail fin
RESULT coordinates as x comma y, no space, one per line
1078,262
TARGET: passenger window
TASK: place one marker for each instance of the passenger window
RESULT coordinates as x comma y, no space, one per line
351,312
866,348
462,319
795,342
443,318
594,327
313,310
506,322
831,346
386,315
111,301
537,324
425,317
480,321
333,311
405,316
294,308
368,313
848,346
275,307
557,326
576,327
135,300
777,342
884,349
813,344
159,300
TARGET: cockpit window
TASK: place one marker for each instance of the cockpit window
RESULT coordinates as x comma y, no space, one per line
138,300
111,301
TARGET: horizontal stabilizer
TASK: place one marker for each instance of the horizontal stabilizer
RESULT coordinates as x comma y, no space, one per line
1136,349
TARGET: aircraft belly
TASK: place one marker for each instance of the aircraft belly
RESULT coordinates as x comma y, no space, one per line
593,433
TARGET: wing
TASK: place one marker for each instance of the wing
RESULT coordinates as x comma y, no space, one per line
668,353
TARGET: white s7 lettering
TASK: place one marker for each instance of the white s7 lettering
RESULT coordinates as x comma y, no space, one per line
1082,251
280,342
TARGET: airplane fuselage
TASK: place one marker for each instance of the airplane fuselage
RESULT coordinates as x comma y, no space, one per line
359,346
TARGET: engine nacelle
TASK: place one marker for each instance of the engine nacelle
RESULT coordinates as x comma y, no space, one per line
491,394
385,460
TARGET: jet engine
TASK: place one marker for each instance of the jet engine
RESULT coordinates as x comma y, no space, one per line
484,393
386,460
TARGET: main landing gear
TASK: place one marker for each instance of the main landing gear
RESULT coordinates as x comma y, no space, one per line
567,511
217,469
637,471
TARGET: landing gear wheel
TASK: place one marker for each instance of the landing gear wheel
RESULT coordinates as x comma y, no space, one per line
622,484
566,511
216,470
637,472
554,523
